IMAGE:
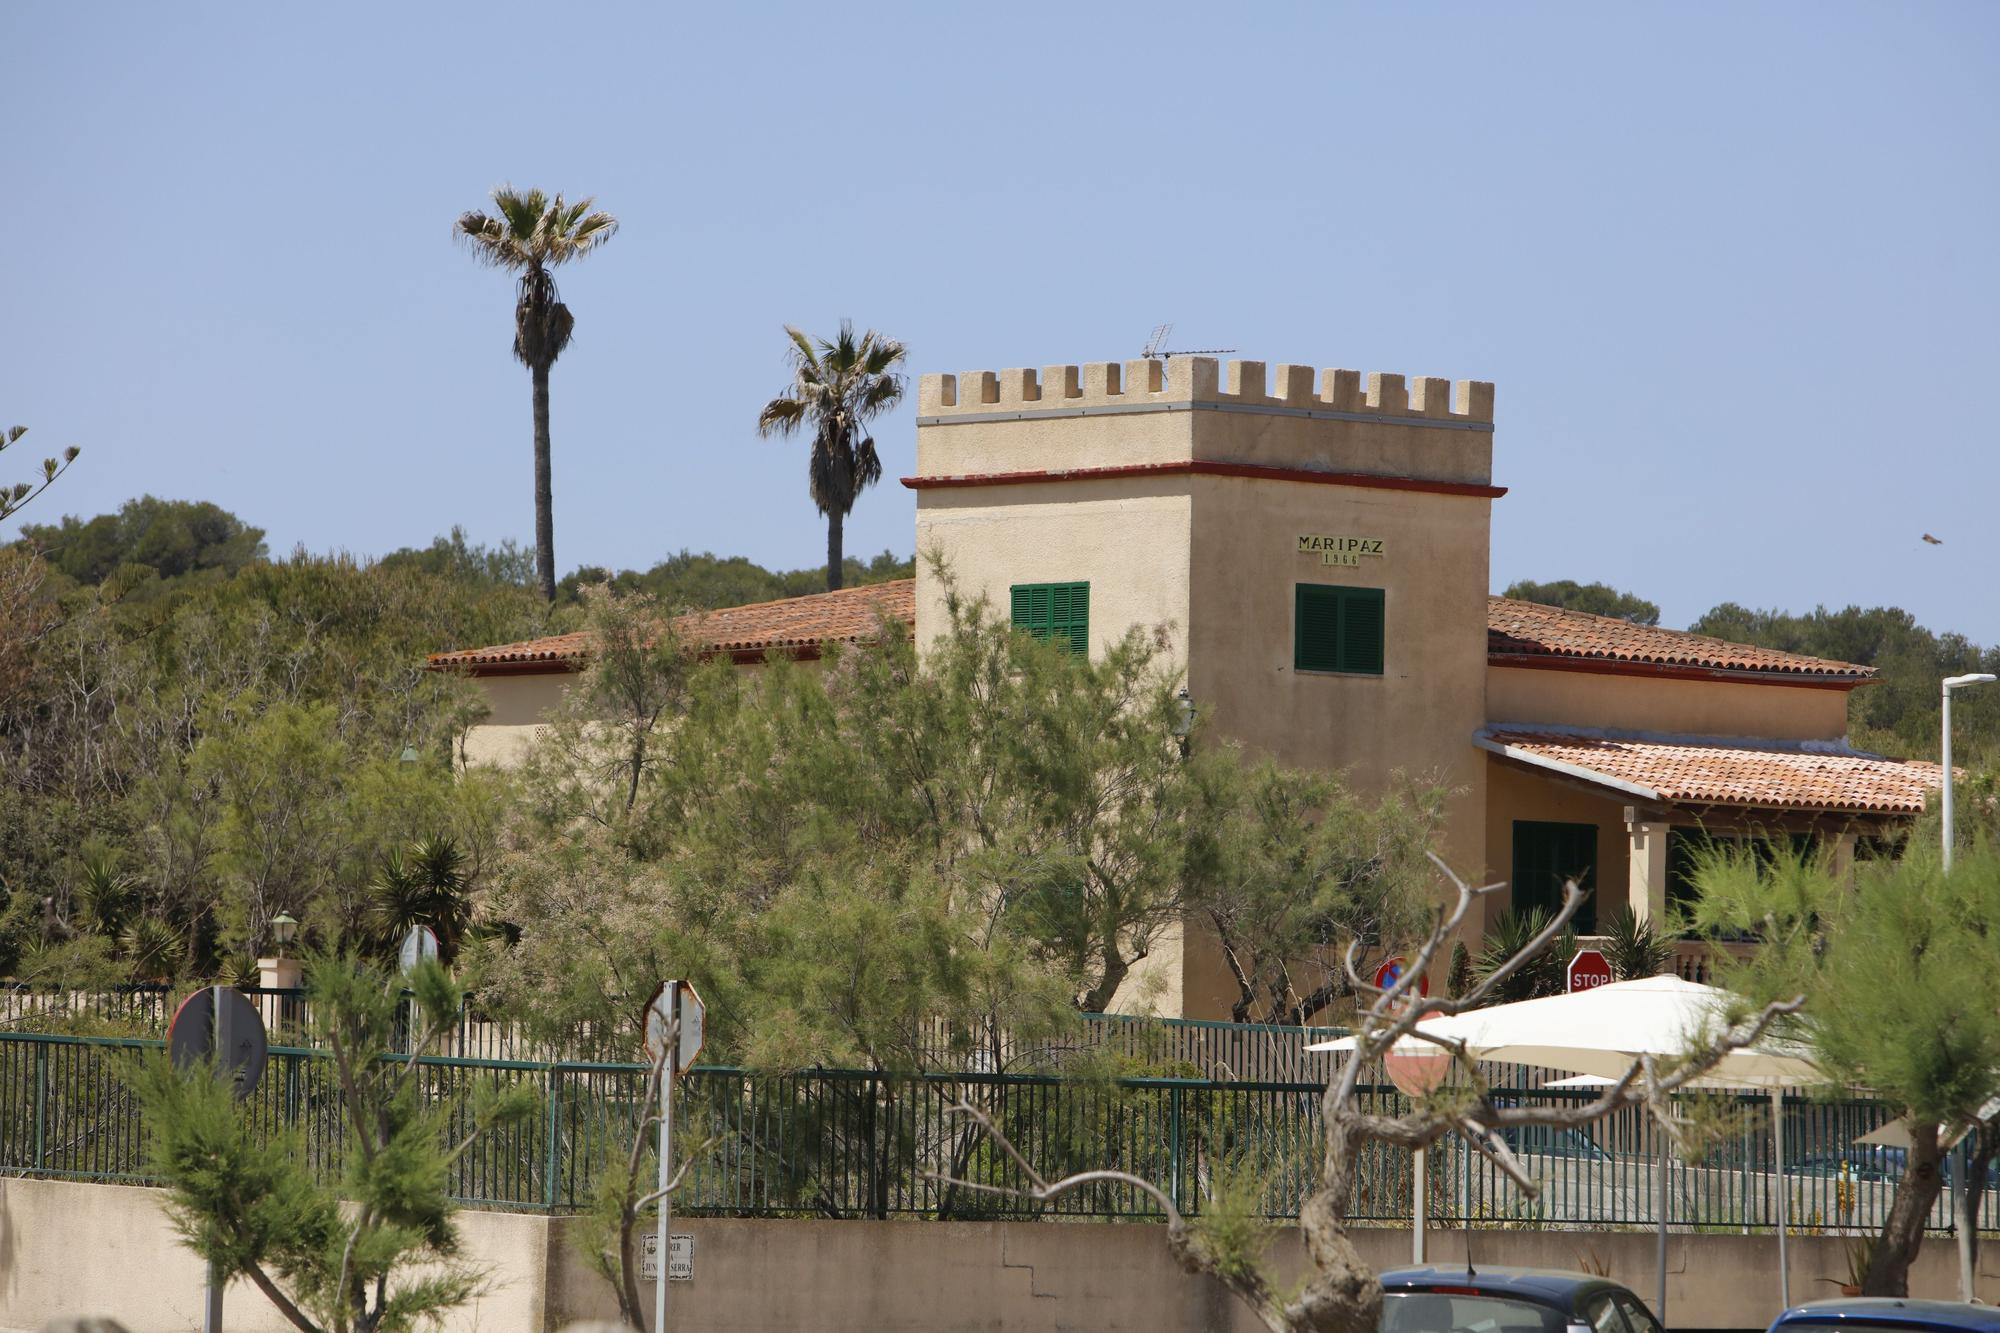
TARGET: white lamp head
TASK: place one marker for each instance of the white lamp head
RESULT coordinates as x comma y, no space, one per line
1977,678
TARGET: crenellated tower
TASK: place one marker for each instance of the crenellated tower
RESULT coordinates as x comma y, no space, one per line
1312,544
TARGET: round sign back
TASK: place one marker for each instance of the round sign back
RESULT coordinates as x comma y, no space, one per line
420,945
218,1021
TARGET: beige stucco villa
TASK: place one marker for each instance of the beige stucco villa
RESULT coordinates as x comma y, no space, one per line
1315,546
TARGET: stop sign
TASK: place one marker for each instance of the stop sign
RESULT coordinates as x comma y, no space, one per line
1588,970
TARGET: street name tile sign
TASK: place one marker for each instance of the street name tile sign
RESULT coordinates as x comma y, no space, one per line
680,1258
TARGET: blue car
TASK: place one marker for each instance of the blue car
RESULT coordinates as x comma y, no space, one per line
1508,1300
1878,1314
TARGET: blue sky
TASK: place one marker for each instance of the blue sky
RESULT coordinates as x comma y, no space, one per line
1732,268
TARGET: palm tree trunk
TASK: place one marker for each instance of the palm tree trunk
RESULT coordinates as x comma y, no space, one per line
545,518
834,521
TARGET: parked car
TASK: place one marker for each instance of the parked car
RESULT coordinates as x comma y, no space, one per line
1881,1314
1549,1140
1552,1141
1880,1162
1508,1300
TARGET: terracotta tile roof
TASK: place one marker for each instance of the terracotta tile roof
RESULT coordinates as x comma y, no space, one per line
1708,771
1529,630
793,623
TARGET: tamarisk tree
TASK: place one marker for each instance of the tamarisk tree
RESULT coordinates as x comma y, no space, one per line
374,1250
16,497
1340,1293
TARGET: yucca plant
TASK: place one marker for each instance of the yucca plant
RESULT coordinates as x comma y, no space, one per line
151,948
104,897
423,886
1545,974
1633,947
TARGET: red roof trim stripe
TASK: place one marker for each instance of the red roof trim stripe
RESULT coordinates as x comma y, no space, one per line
1207,468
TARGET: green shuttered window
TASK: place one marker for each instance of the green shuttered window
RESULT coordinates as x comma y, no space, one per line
1059,611
1545,855
1337,629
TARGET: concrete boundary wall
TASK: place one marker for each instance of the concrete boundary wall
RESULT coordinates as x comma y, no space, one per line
68,1248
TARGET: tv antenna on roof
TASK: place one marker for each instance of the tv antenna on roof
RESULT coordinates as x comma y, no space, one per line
1156,346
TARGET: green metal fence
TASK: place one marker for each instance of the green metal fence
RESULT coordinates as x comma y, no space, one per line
1205,1048
844,1143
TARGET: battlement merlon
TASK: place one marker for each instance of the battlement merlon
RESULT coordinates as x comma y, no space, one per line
1203,380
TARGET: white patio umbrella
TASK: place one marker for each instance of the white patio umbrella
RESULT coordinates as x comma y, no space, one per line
1896,1133
1599,1032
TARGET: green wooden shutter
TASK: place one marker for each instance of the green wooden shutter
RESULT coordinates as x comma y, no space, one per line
1054,610
1031,608
1316,628
1337,629
1361,630
1070,619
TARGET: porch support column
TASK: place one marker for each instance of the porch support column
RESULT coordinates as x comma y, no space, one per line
1646,884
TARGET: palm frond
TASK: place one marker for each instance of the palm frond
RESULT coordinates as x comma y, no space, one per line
805,353
867,466
881,393
522,209
586,237
883,354
780,416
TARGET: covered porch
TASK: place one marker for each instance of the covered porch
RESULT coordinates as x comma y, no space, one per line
1629,812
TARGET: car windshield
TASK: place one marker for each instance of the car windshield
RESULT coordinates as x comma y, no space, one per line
1441,1312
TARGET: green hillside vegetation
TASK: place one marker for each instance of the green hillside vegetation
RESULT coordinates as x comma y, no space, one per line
195,737
704,581
1599,599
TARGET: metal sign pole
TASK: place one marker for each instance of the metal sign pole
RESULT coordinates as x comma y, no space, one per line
211,1308
1778,1151
669,1059
1660,1213
1420,1207
219,1032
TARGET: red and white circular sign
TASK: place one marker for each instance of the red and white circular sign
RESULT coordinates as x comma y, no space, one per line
1417,1068
1588,970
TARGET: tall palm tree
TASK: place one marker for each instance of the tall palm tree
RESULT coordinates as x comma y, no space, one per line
529,233
838,387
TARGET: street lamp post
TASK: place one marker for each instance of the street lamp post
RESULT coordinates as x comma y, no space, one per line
1183,724
1968,1202
280,973
1951,683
